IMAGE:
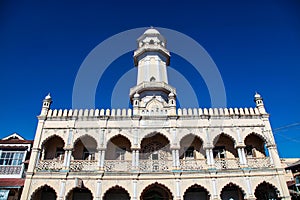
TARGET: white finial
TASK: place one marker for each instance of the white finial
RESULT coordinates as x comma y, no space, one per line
257,95
48,97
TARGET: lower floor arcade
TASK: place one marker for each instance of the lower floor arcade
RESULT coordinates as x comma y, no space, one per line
121,188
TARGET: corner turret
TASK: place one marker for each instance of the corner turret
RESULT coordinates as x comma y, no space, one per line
46,105
259,103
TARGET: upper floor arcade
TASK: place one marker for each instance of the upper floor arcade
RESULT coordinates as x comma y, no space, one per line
154,152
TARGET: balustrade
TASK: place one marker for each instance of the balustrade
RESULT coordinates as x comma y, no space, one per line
259,162
83,165
49,165
228,163
193,164
144,165
117,165
155,165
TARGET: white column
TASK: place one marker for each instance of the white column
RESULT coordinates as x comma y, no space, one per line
102,159
208,157
62,190
244,156
43,154
99,158
98,190
214,187
249,188
66,158
133,159
212,160
69,158
134,183
178,193
177,158
137,158
174,158
240,156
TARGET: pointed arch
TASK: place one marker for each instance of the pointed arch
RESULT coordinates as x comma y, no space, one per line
42,191
157,190
51,137
116,136
79,193
266,191
225,135
53,148
259,135
224,146
191,146
232,190
85,148
165,134
196,191
86,139
255,145
116,192
118,148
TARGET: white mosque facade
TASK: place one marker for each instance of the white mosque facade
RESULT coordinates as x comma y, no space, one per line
154,150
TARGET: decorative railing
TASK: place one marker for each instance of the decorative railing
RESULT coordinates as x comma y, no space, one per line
193,164
49,165
155,165
229,163
259,162
83,165
10,170
117,165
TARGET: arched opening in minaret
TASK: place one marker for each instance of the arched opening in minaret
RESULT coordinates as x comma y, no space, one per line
232,191
118,155
155,153
53,148
266,191
85,148
196,192
116,193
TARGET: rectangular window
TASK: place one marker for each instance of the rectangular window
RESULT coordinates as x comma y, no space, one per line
59,154
189,152
249,151
154,156
11,158
219,152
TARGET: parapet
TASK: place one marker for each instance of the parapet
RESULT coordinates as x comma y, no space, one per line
181,112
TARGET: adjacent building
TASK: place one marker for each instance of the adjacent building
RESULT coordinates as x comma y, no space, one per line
14,159
154,150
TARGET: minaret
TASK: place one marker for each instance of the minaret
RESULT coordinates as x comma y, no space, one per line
151,59
46,105
259,103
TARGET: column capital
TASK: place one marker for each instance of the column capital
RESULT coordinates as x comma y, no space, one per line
101,149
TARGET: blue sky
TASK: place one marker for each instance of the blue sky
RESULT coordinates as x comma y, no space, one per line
255,44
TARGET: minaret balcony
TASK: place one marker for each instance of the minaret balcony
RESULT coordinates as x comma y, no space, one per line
155,86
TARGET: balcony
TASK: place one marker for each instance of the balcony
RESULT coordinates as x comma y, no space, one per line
144,165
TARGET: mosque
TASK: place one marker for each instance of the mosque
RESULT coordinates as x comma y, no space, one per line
154,150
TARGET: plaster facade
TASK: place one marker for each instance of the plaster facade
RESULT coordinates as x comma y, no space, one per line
154,150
